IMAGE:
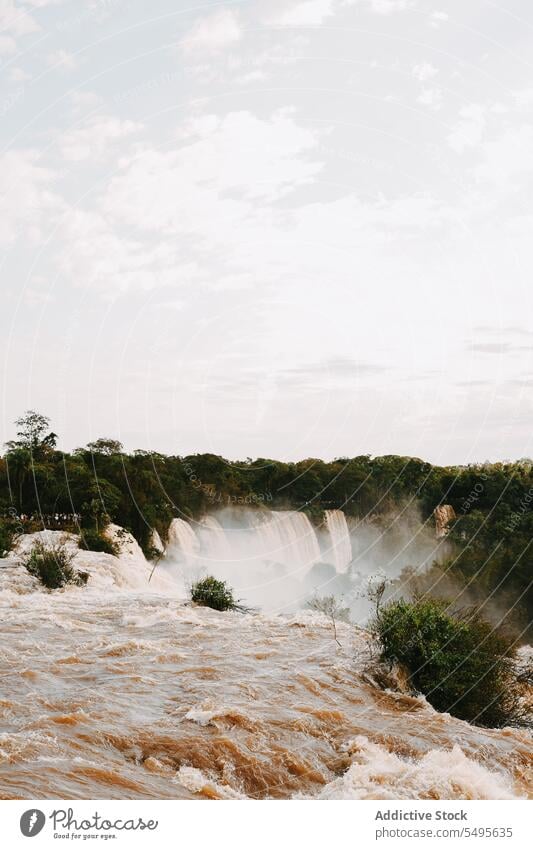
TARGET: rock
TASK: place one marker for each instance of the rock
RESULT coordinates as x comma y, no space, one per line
444,514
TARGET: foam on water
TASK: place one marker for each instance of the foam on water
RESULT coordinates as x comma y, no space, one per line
121,690
379,774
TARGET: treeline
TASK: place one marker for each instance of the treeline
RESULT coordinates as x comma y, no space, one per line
143,490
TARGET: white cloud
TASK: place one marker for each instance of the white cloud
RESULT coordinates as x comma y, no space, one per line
26,196
208,201
314,12
95,137
213,33
62,59
386,7
523,98
424,71
18,75
42,4
8,45
431,97
85,100
507,156
309,13
15,22
469,130
220,161
436,19
103,260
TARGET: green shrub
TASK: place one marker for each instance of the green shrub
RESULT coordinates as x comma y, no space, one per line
53,566
209,592
457,660
93,540
6,537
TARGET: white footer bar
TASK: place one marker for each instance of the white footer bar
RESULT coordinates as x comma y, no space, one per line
279,825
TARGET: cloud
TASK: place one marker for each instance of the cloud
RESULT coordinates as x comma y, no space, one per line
313,13
83,101
424,71
337,367
436,19
523,98
15,22
509,330
387,7
95,137
207,200
8,45
469,130
490,347
219,162
62,59
497,347
309,13
18,75
213,33
105,261
26,197
507,156
431,97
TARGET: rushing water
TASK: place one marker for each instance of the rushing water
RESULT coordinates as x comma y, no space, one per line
122,690
276,560
341,546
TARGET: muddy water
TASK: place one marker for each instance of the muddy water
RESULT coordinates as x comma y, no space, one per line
127,694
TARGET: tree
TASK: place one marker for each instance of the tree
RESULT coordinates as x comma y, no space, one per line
332,608
462,664
19,465
96,509
29,453
105,446
32,433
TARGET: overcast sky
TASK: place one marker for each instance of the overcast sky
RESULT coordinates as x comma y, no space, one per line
270,227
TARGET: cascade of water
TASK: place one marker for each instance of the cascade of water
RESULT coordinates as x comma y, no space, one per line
183,538
341,545
287,537
213,540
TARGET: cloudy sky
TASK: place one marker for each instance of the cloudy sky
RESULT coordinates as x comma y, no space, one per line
283,228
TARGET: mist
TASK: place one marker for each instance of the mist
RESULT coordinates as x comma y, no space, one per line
276,561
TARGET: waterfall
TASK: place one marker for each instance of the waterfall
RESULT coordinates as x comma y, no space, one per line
213,540
183,538
264,556
341,545
287,537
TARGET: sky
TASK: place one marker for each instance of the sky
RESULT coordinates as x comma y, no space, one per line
275,228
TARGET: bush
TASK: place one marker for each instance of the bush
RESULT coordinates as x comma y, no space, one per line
6,537
215,594
457,660
92,540
53,566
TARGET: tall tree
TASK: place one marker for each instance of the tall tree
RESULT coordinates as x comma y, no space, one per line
33,433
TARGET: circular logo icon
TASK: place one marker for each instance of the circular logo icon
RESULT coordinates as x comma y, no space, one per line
32,822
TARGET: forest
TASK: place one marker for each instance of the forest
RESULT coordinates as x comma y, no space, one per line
142,491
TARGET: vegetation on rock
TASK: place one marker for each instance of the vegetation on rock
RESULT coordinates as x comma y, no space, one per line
52,565
209,592
462,664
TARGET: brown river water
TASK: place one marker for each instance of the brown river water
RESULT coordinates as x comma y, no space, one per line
121,690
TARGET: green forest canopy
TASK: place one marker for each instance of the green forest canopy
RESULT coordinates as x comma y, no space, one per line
144,490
